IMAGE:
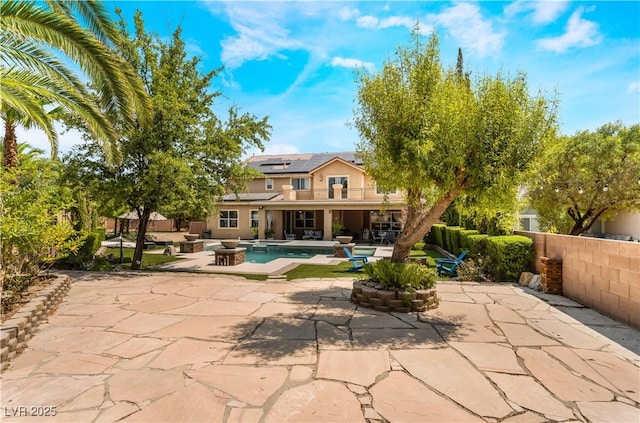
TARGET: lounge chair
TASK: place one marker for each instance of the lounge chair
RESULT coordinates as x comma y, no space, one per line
357,261
446,266
289,236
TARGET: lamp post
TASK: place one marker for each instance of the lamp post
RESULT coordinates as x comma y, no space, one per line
121,257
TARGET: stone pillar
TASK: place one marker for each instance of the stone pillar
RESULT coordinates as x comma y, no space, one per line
551,275
327,228
288,193
337,191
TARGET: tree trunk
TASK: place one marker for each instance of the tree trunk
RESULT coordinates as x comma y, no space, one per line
418,224
10,146
136,263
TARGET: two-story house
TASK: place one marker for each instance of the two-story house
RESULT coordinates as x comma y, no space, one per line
308,192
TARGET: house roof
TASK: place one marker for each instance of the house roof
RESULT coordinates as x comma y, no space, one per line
298,163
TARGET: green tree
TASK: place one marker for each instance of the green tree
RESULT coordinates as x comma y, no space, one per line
33,229
187,156
36,42
425,130
588,176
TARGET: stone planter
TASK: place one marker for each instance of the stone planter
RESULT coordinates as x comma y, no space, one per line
191,237
388,300
343,239
230,243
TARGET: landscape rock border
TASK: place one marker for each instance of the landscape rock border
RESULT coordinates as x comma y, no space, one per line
398,301
18,329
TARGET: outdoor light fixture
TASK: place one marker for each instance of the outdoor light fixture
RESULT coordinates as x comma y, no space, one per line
580,190
605,188
557,189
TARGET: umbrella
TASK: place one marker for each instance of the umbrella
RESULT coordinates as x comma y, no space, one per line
133,215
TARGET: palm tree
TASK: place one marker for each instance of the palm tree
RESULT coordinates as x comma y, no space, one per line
36,42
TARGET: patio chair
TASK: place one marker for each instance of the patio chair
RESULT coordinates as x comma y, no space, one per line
308,234
380,236
318,235
357,261
289,236
446,266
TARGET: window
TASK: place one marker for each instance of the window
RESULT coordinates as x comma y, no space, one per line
253,219
306,219
268,184
300,183
338,180
228,219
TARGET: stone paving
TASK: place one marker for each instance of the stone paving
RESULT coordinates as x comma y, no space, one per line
206,348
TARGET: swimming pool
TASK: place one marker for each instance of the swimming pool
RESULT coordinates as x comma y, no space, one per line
266,252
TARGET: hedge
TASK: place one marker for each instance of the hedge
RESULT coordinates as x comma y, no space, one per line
477,245
438,232
508,256
464,238
452,236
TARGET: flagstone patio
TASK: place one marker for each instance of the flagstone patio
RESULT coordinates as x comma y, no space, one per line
185,347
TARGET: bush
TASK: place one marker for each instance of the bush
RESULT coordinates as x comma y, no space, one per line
419,246
470,270
400,276
91,244
452,236
477,245
508,256
438,234
464,238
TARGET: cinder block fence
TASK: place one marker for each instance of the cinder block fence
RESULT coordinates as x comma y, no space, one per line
602,274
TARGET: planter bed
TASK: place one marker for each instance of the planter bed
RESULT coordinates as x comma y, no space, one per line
368,294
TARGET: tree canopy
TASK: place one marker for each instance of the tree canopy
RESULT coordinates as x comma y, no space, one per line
588,176
187,156
437,135
38,40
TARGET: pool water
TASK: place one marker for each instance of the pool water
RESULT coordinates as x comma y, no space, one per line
264,253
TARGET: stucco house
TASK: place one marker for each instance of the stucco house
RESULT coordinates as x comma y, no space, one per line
300,193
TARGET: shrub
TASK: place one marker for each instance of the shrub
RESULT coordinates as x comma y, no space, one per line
477,245
470,270
400,276
419,246
464,240
452,236
86,251
508,256
438,233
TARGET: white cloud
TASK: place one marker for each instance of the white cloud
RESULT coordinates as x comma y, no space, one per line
368,21
543,12
350,63
260,33
373,22
347,13
578,33
465,22
634,87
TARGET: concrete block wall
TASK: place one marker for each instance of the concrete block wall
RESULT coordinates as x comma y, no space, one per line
602,274
16,331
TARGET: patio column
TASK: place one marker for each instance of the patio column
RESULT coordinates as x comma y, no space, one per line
327,227
262,222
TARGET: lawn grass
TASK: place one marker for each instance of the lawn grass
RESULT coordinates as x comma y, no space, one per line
148,260
431,255
322,271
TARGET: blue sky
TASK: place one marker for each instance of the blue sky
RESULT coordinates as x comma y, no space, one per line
295,61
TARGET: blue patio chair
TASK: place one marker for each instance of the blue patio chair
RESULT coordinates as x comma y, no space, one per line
446,266
357,261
